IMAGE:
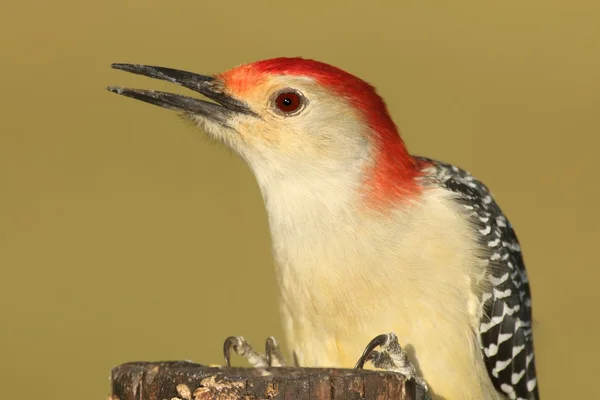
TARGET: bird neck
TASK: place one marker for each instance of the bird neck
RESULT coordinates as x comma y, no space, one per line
307,217
310,195
377,178
392,177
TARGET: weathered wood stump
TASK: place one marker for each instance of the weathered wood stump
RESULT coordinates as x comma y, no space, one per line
189,381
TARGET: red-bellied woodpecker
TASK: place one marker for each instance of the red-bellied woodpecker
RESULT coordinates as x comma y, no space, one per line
367,238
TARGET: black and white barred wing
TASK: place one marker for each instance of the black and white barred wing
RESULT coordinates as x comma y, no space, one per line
505,329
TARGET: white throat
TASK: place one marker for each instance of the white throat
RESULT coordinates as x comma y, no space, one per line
309,205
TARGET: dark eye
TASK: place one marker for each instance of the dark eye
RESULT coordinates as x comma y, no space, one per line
288,102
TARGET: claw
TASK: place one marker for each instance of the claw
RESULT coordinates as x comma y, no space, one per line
229,343
273,353
367,354
242,348
390,358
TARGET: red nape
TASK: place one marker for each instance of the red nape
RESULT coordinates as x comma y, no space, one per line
394,172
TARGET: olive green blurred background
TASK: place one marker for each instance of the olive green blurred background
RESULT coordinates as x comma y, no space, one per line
126,235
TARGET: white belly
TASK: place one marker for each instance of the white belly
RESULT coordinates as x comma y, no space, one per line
447,356
411,274
348,275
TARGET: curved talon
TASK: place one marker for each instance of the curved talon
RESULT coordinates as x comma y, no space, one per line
366,356
273,354
230,342
390,358
242,348
269,348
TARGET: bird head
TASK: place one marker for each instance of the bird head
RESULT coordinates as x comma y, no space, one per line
294,120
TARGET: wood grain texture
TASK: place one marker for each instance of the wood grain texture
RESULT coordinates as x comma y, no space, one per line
189,381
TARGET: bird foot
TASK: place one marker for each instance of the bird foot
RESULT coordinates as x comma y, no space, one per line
271,358
391,357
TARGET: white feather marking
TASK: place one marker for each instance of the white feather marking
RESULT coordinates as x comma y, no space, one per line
491,350
508,389
512,310
498,281
493,243
529,359
515,378
501,365
485,326
522,324
514,246
502,294
517,349
503,337
531,384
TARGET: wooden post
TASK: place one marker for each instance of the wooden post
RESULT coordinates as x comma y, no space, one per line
180,380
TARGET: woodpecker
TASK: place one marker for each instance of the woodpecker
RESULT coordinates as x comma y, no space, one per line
369,240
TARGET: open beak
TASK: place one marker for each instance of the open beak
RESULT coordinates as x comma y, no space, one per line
221,111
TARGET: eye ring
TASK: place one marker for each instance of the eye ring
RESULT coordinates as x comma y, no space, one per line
288,102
